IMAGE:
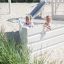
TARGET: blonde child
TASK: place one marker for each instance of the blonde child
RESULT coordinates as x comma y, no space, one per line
47,24
28,21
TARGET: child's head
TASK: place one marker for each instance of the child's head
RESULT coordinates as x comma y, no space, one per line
28,19
48,19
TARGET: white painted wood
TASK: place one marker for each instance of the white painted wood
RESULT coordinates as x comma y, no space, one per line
34,30
43,36
35,42
39,52
53,33
34,38
46,43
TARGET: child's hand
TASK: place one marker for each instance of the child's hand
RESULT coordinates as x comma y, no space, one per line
49,27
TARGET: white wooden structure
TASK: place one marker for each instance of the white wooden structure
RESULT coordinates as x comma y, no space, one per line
37,40
57,9
4,10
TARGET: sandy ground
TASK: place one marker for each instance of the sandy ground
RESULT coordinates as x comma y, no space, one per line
21,10
17,10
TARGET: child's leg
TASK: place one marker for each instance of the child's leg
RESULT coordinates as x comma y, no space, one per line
43,32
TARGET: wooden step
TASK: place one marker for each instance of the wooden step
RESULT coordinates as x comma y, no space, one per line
46,43
42,50
35,33
44,36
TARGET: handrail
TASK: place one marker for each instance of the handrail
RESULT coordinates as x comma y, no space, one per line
48,31
9,8
47,47
57,28
47,38
50,1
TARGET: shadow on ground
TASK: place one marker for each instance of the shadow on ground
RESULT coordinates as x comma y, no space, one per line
14,19
14,35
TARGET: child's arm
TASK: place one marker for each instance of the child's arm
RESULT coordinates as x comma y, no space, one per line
49,27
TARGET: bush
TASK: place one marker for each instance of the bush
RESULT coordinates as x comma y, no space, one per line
10,53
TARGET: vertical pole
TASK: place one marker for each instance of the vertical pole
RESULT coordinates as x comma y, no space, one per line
63,1
9,1
55,7
52,8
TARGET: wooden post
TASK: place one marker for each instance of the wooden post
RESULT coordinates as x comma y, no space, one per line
9,6
52,7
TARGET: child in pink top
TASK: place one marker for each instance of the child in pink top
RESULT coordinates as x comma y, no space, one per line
47,24
28,21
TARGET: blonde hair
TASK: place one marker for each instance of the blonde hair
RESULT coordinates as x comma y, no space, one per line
48,18
29,17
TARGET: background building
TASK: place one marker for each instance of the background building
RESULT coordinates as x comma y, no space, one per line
20,1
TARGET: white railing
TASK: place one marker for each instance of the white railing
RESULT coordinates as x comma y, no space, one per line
5,8
55,5
32,37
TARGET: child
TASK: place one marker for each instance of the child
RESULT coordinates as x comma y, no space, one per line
47,24
28,22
